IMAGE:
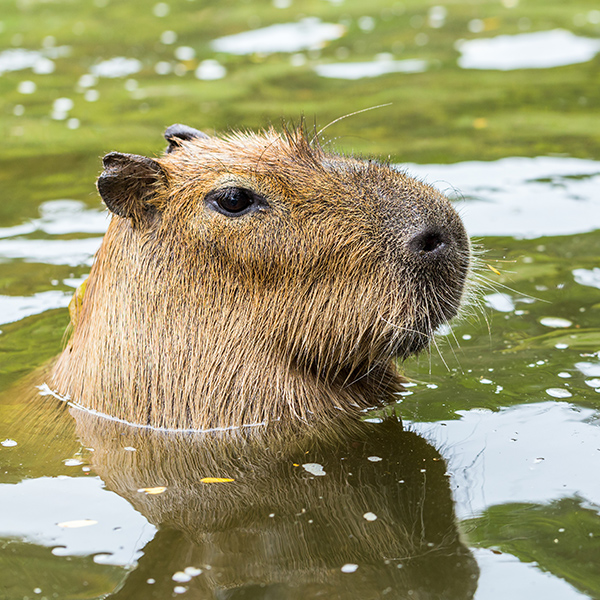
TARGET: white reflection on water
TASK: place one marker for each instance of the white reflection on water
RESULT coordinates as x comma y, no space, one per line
17,59
52,252
14,308
59,217
375,68
307,34
505,576
118,537
528,453
116,67
539,50
521,197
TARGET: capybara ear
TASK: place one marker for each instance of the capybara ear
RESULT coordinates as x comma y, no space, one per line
128,184
177,133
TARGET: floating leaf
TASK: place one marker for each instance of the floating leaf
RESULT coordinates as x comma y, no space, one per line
77,523
153,490
76,304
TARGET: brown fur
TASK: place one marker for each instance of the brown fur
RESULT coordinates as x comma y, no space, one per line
192,319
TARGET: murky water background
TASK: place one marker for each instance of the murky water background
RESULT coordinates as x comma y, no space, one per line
499,493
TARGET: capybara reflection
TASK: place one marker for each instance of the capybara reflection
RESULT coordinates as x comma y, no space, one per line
256,277
356,510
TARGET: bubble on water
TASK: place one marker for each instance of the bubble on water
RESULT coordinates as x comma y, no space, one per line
476,26
185,53
349,568
564,375
73,462
485,381
192,571
436,17
163,68
26,87
210,69
500,302
374,458
555,322
117,67
561,346
91,95
314,469
44,66
366,23
559,393
161,9
87,81
466,337
151,581
62,104
181,577
180,589
298,59
73,123
131,85
369,516
8,443
168,37
443,329
594,383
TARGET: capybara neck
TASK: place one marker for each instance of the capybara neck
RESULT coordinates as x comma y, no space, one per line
255,277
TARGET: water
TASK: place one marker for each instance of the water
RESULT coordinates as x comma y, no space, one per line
494,489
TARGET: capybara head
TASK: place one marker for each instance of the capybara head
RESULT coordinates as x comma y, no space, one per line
256,277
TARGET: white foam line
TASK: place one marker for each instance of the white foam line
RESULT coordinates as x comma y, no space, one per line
45,390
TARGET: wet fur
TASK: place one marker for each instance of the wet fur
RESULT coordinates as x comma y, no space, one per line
196,320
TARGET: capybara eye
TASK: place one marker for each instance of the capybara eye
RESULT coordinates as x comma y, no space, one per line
233,201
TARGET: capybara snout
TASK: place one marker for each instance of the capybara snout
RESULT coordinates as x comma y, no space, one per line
256,277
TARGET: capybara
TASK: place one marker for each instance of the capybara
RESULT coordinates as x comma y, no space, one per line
255,277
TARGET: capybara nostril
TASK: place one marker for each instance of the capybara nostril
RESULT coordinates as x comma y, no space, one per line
430,240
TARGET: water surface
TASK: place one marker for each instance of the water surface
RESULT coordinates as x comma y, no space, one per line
493,484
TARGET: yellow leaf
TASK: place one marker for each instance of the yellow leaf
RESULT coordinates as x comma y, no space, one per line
155,490
216,480
76,304
78,523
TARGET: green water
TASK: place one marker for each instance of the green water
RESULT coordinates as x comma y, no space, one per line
498,495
